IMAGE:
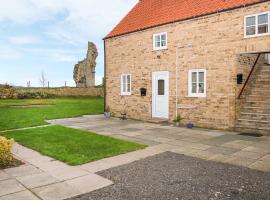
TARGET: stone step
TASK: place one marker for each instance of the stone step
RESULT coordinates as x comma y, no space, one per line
253,122
255,116
157,120
252,129
262,81
256,109
257,103
258,98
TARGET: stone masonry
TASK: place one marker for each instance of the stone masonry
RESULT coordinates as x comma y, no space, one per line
84,71
212,42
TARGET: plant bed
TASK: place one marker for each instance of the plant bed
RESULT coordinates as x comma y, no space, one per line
14,163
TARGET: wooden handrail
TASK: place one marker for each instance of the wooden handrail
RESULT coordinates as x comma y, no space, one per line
249,75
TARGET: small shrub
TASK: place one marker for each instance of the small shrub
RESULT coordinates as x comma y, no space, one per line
178,118
34,95
6,157
7,92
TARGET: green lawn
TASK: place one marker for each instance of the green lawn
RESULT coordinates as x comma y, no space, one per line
71,146
19,117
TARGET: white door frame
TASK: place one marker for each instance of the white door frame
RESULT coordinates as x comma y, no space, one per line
154,94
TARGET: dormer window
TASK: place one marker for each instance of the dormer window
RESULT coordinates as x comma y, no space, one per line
160,41
257,25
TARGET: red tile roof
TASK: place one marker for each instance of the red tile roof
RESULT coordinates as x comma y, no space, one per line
150,13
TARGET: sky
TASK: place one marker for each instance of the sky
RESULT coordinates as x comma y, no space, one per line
51,36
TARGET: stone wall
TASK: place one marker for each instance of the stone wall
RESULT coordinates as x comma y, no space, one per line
212,42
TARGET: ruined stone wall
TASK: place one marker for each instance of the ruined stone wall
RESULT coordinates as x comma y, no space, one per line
84,71
212,42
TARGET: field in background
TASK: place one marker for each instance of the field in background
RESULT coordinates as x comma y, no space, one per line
20,113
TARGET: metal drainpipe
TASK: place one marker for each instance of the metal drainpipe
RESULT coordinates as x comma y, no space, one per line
176,80
104,80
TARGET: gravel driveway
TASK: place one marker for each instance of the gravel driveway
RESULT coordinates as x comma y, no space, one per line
175,176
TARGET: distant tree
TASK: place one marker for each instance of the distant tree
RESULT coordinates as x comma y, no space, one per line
42,79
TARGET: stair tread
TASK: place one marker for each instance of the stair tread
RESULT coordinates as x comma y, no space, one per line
254,120
253,127
255,107
254,113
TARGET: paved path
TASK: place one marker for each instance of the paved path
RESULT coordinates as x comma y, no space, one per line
221,146
42,177
45,178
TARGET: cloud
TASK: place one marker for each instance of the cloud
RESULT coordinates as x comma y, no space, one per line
59,30
22,40
8,53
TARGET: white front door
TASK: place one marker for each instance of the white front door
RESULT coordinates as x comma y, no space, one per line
160,94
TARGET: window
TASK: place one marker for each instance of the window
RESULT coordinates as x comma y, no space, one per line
161,87
125,84
256,25
160,41
197,83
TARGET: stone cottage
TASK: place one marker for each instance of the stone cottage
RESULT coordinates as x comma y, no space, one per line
205,60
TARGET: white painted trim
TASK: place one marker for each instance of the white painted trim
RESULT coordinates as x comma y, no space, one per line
122,93
256,25
190,94
154,42
154,74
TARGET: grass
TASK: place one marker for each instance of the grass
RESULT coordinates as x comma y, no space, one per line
71,146
19,117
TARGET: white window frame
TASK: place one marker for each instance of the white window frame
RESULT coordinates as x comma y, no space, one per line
256,25
125,93
197,94
154,41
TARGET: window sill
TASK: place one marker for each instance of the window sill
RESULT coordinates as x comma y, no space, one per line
128,94
159,49
193,96
258,35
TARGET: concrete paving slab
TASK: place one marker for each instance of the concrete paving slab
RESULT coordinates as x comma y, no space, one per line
162,139
57,191
22,170
204,155
237,144
10,186
247,154
266,158
67,173
37,180
131,134
24,195
37,161
257,150
199,146
260,165
244,162
51,165
95,166
89,183
220,158
140,154
222,150
4,175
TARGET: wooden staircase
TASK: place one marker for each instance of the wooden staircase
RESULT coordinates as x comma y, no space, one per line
255,110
